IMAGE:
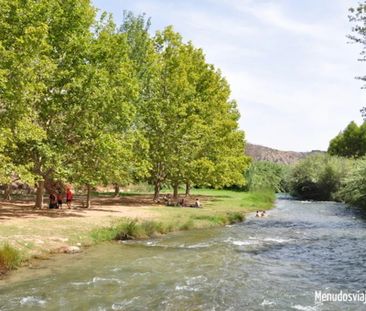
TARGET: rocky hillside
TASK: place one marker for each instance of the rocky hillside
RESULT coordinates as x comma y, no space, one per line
261,153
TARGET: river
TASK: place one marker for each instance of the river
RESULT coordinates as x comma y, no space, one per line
272,263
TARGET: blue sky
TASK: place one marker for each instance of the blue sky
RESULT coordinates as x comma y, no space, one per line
287,61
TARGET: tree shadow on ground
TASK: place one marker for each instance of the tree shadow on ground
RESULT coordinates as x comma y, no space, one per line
24,207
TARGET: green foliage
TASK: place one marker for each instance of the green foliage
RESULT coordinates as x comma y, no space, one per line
234,218
188,225
127,229
186,117
349,143
152,228
353,188
318,177
215,219
264,175
87,102
10,258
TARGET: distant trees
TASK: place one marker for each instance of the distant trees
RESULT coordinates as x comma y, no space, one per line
264,175
318,177
87,102
349,143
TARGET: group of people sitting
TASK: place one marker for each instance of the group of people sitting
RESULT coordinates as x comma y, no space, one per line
261,214
57,198
182,202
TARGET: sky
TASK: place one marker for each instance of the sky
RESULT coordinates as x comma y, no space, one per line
289,63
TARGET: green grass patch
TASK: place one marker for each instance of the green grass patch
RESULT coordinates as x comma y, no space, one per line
128,229
188,225
236,217
215,219
10,258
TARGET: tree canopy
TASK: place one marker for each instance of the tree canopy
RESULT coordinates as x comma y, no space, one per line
349,143
86,101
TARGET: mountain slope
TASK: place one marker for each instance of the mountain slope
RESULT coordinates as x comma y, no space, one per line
262,153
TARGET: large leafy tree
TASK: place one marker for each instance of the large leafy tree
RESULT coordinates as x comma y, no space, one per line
106,134
87,102
349,143
25,68
55,37
188,120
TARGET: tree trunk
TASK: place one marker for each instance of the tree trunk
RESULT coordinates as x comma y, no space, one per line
116,190
7,192
39,194
175,191
156,190
88,197
188,189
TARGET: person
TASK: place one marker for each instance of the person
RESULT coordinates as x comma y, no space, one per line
68,197
59,199
257,214
264,214
53,202
197,204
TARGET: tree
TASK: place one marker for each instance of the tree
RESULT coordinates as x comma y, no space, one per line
25,66
349,143
84,101
357,17
105,136
189,121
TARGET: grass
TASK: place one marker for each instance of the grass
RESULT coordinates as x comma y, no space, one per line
10,258
128,229
220,208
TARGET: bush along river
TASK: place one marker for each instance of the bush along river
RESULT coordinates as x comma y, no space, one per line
273,263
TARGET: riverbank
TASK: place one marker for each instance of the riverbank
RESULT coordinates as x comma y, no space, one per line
37,234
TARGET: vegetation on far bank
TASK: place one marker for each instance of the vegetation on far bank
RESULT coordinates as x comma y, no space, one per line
326,177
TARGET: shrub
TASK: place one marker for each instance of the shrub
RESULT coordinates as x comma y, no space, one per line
10,258
318,177
235,217
264,175
353,189
188,225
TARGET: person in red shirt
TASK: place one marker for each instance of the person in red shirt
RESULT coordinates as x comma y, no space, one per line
68,197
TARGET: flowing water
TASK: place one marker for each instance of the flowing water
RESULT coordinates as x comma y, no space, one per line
273,263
